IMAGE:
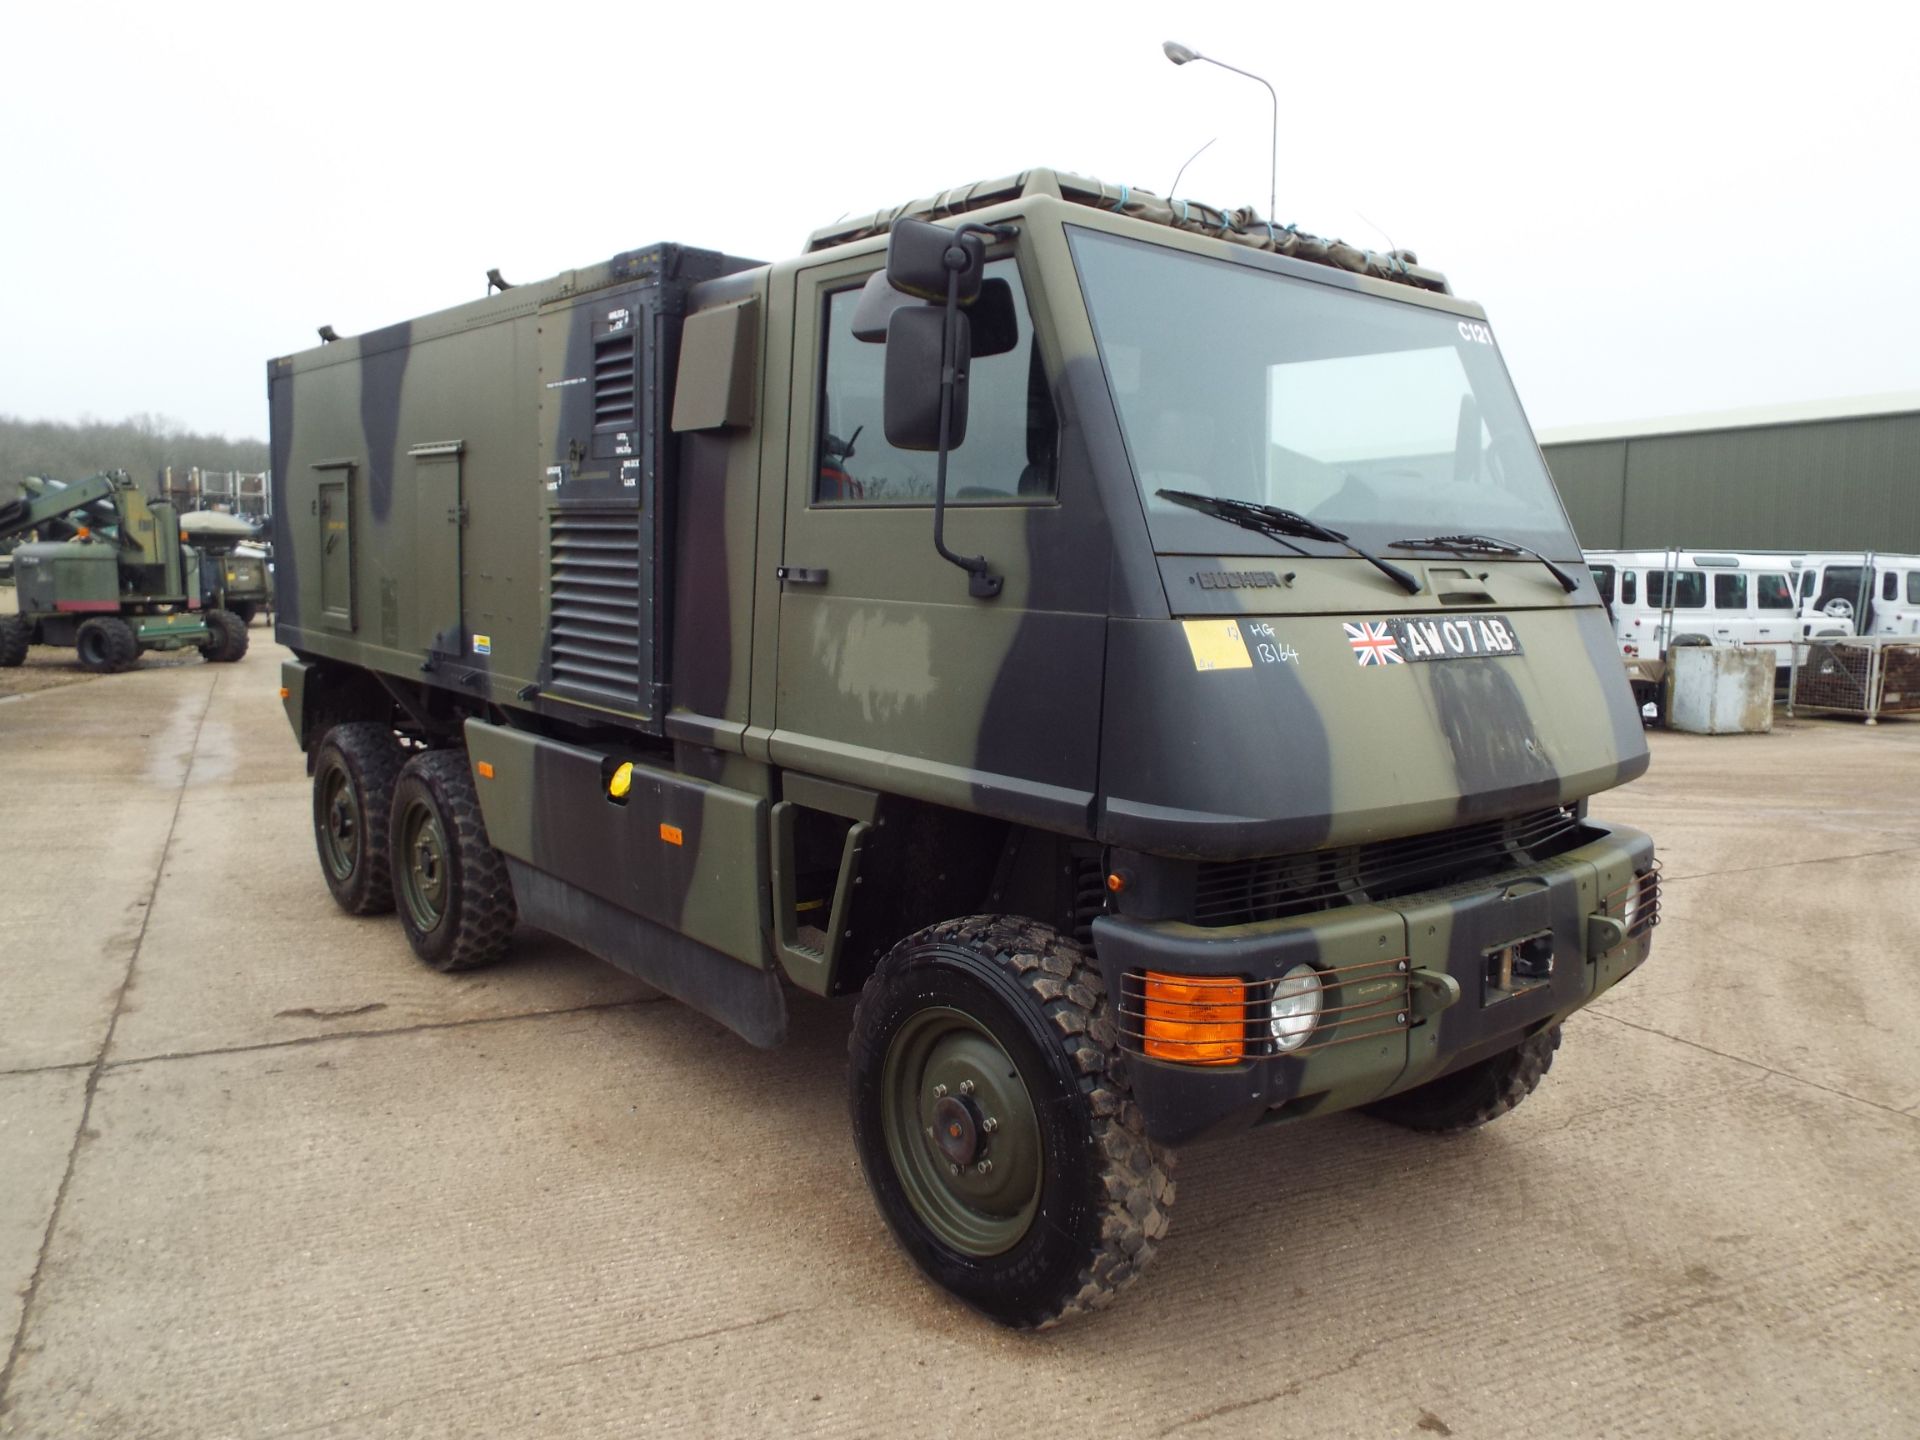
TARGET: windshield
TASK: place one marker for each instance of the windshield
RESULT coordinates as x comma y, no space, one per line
1383,419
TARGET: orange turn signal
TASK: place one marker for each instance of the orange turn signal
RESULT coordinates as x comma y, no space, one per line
485,767
671,834
1195,1019
284,692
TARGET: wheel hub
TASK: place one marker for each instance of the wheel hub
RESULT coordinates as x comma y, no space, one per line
424,885
956,1130
963,1132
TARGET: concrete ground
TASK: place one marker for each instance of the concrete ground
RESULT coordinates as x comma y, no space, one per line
262,1174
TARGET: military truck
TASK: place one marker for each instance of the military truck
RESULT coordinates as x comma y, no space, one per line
233,563
109,576
1134,648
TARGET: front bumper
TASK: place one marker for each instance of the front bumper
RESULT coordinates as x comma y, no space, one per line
1414,987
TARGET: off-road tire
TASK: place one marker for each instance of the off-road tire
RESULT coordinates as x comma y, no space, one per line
1469,1098
226,640
476,920
16,634
368,758
245,610
1105,1191
106,644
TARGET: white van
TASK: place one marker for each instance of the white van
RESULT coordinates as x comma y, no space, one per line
1718,597
1859,594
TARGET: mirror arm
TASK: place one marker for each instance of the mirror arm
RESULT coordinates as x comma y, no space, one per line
982,584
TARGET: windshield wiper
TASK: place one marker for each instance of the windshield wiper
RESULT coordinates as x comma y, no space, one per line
1285,526
1487,545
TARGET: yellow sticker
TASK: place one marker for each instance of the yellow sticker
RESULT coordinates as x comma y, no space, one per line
1217,645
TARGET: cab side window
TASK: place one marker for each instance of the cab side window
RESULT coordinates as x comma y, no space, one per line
1913,587
1774,592
1603,582
1629,588
1730,592
1008,458
1890,587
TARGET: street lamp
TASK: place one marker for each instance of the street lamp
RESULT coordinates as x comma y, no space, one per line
1180,55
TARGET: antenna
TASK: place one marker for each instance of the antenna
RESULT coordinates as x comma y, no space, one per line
1392,249
1183,169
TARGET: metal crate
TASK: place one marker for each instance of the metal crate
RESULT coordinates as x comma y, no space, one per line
1868,675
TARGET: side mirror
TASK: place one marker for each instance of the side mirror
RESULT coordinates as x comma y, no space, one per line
878,300
921,256
996,320
913,375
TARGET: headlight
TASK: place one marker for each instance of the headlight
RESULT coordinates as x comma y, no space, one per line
1635,898
1295,1008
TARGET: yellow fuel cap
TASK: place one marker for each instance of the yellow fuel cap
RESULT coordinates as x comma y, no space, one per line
621,782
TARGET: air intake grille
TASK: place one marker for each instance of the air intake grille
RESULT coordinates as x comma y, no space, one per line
1241,891
595,575
613,379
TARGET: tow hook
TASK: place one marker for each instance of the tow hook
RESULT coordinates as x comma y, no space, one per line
1431,991
1603,933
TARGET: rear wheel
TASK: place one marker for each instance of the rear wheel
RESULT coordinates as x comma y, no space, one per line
16,634
226,640
1469,1098
353,778
450,884
106,643
995,1125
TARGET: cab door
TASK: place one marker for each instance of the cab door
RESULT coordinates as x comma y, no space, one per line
889,672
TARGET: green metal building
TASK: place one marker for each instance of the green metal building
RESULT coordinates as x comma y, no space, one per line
1821,475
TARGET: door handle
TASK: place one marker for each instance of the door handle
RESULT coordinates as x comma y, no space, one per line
800,575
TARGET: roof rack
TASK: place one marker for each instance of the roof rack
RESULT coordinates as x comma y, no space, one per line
1243,226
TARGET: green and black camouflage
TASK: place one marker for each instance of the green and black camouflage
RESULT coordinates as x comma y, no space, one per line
600,522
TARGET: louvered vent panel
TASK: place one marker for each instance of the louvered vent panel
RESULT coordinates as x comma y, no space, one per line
595,575
613,379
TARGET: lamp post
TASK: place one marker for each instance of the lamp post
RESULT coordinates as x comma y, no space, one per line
1181,54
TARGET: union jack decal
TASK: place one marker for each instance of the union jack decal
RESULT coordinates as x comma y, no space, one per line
1373,643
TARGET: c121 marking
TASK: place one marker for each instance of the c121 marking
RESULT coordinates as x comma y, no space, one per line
1475,332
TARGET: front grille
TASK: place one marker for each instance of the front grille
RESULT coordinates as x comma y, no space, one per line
613,379
1367,1000
594,561
1240,892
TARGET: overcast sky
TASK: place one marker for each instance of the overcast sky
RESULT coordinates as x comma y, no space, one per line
1664,208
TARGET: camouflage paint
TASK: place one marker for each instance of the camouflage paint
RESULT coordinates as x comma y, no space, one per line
1073,704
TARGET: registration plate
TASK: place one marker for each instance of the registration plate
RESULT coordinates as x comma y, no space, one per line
1429,637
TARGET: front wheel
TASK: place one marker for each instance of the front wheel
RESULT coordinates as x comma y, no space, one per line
450,884
994,1121
226,641
1469,1098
